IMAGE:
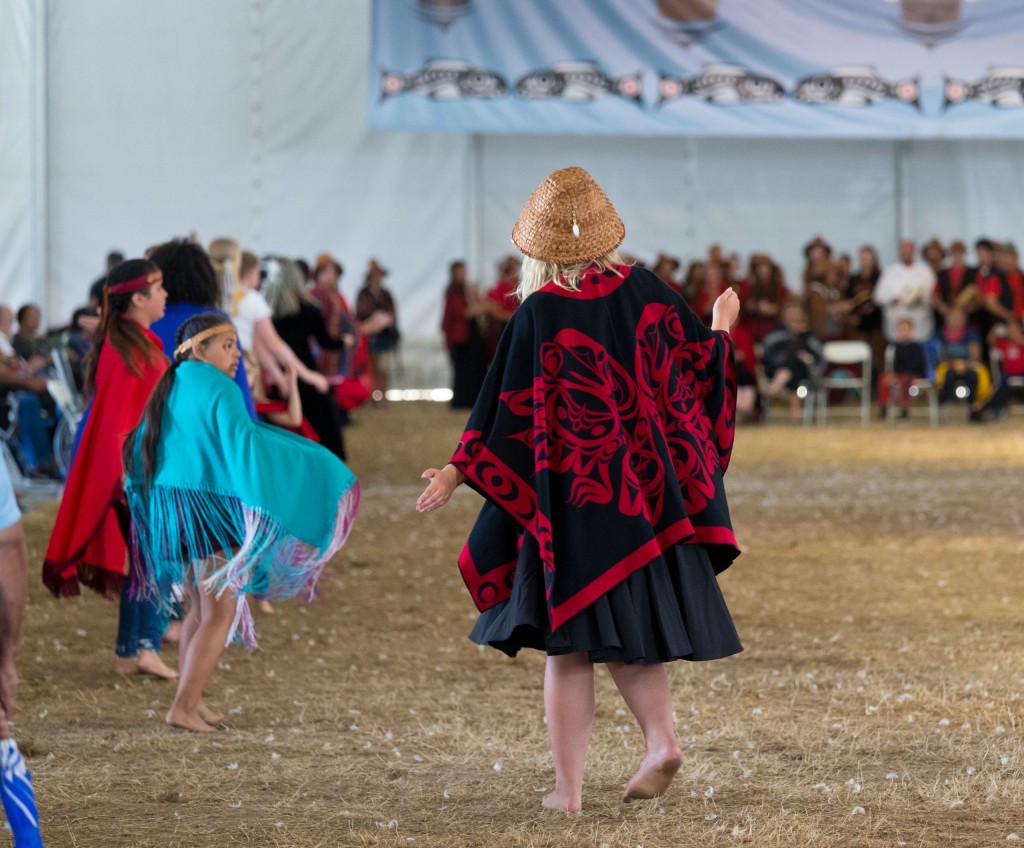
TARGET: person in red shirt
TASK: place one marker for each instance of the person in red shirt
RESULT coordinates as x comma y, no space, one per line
994,307
1008,342
502,301
463,327
1012,293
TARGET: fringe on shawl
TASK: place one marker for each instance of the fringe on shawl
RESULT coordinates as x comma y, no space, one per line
175,528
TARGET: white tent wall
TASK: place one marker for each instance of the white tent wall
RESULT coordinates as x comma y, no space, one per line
681,195
247,118
22,252
966,189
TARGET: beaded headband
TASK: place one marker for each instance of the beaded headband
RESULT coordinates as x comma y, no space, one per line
202,336
136,283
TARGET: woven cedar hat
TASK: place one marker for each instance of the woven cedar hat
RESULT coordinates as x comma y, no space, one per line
568,220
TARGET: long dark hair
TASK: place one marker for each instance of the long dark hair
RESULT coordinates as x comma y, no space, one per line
189,276
126,337
152,415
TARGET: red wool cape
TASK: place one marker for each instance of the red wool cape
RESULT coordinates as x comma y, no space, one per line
87,544
603,430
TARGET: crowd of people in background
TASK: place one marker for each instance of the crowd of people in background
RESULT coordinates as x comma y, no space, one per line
309,356
931,316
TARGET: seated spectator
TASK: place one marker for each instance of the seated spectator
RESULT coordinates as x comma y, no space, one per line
792,357
33,348
767,292
960,374
909,364
748,406
1010,346
25,380
34,437
826,307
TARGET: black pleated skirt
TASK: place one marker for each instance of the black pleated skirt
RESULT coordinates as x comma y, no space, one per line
671,609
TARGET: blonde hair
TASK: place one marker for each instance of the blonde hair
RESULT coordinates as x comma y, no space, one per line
536,273
285,287
225,255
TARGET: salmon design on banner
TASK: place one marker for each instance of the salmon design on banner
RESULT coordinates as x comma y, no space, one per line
856,85
1001,87
577,81
444,79
722,85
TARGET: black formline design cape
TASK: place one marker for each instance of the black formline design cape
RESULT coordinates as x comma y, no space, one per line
603,429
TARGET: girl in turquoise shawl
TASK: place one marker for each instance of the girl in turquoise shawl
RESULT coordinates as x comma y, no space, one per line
213,506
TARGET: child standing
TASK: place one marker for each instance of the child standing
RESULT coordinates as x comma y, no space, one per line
211,494
87,544
909,363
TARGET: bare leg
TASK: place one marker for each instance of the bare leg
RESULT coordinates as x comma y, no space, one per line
188,629
646,692
204,649
569,705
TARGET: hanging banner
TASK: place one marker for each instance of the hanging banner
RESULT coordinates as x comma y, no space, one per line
782,68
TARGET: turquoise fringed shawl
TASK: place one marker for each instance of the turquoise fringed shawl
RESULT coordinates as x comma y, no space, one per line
273,506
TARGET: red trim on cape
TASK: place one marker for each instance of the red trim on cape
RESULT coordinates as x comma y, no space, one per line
611,578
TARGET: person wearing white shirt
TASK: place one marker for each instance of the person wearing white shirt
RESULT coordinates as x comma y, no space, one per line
238,273
904,292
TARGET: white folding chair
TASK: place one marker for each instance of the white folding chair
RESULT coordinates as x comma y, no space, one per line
920,386
846,353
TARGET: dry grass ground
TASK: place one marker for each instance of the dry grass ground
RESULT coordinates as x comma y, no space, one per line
878,703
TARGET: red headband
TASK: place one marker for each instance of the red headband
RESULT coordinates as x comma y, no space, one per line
136,283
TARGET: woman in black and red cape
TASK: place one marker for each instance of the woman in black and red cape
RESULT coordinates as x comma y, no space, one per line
599,441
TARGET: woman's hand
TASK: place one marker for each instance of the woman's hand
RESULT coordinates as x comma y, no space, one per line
315,379
440,488
725,311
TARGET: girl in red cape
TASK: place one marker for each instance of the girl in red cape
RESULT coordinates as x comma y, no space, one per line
599,440
88,543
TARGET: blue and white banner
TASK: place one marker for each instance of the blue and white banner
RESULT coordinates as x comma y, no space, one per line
782,68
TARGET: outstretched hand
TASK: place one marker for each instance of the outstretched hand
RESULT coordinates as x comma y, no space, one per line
440,488
726,310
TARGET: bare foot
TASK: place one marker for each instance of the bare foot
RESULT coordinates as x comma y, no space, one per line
265,607
177,717
173,633
149,662
125,665
654,775
562,801
208,715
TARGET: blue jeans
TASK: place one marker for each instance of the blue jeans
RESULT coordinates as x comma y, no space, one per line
35,438
140,626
